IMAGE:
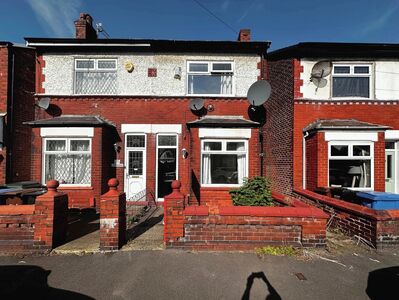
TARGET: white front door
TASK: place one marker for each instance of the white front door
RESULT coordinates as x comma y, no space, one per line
390,171
135,157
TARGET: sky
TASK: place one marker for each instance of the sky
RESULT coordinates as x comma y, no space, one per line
283,22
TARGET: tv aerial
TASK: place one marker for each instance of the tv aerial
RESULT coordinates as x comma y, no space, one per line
44,103
259,92
196,104
320,70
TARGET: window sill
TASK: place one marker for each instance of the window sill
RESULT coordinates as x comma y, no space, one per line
75,187
219,187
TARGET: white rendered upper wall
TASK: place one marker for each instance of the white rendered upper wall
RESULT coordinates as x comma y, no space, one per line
59,73
384,80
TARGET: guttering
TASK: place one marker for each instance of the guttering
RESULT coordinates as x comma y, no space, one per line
35,44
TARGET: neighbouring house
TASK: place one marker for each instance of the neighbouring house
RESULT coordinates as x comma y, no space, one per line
332,118
146,112
17,88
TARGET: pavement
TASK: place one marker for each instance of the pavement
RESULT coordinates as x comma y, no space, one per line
352,273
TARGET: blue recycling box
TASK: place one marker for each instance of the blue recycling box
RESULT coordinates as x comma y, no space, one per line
379,200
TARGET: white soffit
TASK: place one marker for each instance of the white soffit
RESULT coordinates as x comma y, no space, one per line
351,136
225,133
67,131
392,135
151,128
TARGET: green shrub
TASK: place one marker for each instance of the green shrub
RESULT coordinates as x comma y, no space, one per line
276,250
254,192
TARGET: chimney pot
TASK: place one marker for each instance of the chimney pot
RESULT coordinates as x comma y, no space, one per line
244,35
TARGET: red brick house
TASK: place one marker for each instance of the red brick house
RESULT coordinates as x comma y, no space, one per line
129,109
17,82
335,106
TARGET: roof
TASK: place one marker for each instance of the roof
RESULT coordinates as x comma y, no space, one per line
71,121
222,121
336,50
149,45
348,124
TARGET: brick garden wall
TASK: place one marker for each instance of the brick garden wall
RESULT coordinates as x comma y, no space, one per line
379,227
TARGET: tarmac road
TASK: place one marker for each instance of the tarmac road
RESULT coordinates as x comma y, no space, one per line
173,274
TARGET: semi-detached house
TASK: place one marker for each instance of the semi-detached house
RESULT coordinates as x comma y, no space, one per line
131,109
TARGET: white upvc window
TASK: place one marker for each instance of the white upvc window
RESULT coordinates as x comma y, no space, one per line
67,160
210,78
96,76
351,164
352,80
223,162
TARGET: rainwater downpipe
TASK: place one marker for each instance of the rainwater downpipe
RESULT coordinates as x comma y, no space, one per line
304,159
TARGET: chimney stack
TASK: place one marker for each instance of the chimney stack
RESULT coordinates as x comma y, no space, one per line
84,27
244,35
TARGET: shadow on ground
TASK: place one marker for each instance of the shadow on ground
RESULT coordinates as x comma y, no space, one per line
273,295
383,284
25,282
81,223
149,220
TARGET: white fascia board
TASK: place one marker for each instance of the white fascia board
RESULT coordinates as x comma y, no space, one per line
67,131
225,133
351,136
151,128
392,135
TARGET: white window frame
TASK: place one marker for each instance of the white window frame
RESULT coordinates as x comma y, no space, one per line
224,150
94,69
67,150
156,159
210,72
350,156
352,73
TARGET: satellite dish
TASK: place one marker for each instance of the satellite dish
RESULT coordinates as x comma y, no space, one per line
196,104
321,69
44,103
259,92
319,82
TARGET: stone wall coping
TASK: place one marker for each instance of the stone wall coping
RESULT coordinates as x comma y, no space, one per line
287,200
196,211
28,209
364,211
257,211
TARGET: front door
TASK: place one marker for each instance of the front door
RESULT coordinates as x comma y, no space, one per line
135,186
166,164
390,171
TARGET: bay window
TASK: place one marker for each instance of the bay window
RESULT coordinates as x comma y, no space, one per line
95,76
351,164
210,78
224,162
67,160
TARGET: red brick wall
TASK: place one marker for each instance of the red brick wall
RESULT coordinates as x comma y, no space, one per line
316,161
379,227
279,125
381,112
4,93
19,106
154,110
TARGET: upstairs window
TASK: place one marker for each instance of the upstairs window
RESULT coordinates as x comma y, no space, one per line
210,78
95,76
351,81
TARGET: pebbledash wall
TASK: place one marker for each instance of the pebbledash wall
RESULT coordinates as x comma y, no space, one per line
172,108
17,86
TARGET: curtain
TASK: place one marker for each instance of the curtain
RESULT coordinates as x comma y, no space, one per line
69,168
82,169
241,164
351,87
226,84
206,166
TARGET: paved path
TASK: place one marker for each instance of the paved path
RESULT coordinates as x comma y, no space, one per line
190,275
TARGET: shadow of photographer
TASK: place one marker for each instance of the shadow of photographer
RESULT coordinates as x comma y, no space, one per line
273,295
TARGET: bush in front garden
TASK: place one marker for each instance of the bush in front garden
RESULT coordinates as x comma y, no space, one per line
255,192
